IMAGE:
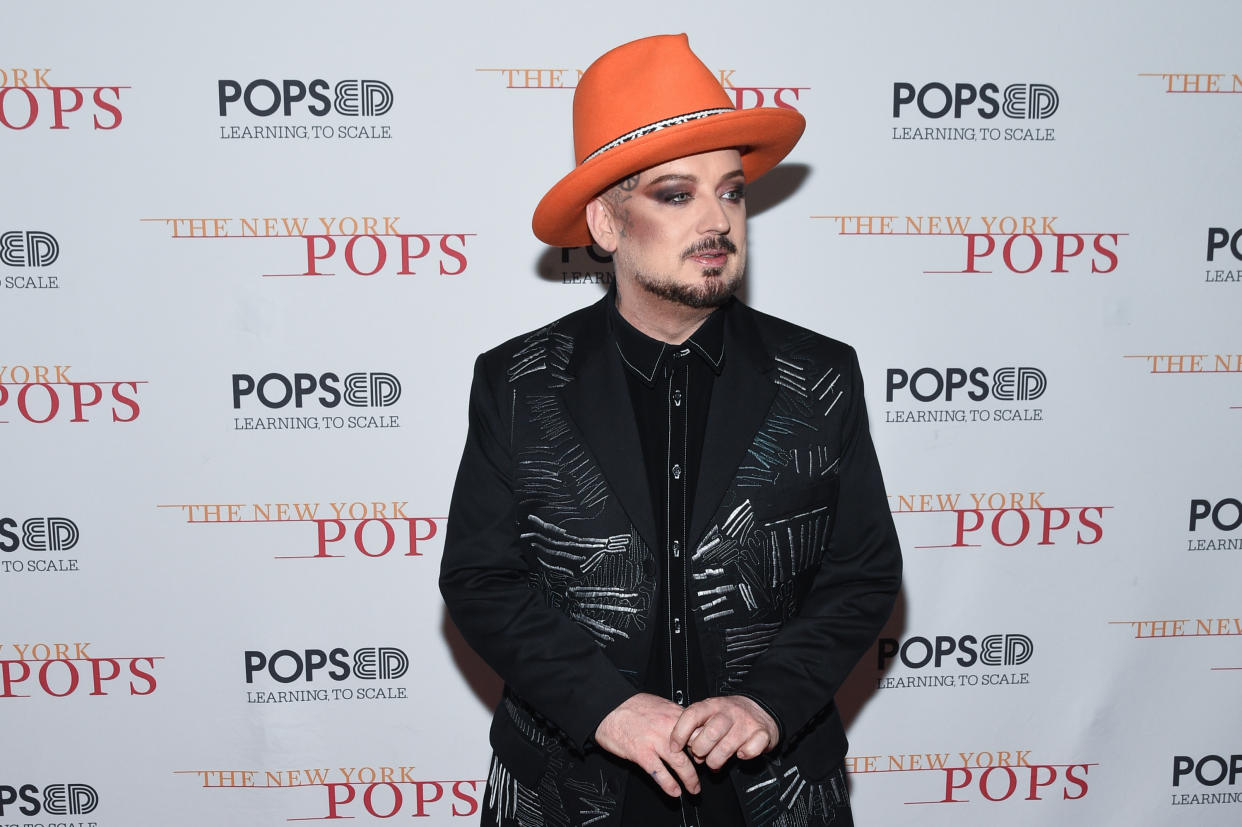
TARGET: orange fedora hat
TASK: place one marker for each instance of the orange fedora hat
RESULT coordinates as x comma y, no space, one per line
645,103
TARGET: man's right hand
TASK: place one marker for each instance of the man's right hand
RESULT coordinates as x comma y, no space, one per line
639,730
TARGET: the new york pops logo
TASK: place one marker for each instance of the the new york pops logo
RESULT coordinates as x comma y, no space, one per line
986,778
346,792
1197,83
29,99
298,109
331,245
1191,364
966,393
973,111
72,670
1185,628
744,95
38,394
1016,245
315,401
1001,520
332,531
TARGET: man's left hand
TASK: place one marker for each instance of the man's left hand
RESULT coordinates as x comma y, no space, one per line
716,729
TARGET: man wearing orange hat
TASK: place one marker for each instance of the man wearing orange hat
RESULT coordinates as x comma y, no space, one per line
669,533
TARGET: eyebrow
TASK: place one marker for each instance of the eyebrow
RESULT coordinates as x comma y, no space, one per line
677,176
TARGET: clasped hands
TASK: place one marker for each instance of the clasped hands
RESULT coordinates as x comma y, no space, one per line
661,737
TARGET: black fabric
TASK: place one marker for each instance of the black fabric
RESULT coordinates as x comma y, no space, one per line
551,558
670,389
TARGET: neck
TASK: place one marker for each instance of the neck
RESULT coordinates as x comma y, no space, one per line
659,318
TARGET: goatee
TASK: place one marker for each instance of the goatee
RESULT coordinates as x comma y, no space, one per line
717,288
714,292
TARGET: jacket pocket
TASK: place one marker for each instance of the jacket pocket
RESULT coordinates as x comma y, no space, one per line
794,542
524,759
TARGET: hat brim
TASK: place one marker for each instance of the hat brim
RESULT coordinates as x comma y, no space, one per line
764,136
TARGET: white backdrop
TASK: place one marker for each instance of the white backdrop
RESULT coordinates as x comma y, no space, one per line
208,621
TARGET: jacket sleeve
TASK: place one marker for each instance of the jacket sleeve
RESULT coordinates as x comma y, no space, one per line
850,597
549,661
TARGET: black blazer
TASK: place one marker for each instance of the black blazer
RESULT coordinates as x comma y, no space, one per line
548,568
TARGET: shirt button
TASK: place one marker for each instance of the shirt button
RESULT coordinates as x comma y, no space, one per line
677,398
676,548
679,697
676,472
677,625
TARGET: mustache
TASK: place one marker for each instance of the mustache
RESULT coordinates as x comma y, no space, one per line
710,245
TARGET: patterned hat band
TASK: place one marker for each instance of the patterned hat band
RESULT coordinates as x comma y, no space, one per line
654,127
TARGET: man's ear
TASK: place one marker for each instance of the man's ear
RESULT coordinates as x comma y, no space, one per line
602,224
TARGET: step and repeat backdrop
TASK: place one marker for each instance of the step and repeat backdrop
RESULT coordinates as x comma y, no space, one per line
248,253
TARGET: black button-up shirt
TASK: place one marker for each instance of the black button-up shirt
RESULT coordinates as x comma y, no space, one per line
670,389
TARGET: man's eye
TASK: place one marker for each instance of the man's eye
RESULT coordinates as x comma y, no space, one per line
677,197
735,194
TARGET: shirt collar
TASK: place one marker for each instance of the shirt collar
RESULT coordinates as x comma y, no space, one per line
644,356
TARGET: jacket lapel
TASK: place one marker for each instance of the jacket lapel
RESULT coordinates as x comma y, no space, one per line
741,397
598,402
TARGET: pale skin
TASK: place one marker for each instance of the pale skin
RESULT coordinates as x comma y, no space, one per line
677,234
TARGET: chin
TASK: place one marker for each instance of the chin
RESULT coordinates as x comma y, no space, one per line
714,291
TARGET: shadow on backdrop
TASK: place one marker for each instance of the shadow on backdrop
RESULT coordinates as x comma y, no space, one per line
779,184
861,686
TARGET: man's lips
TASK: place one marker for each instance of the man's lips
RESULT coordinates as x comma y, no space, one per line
711,258
711,253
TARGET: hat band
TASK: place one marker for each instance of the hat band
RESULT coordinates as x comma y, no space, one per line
654,127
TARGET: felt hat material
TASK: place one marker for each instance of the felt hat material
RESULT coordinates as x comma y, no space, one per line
645,103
